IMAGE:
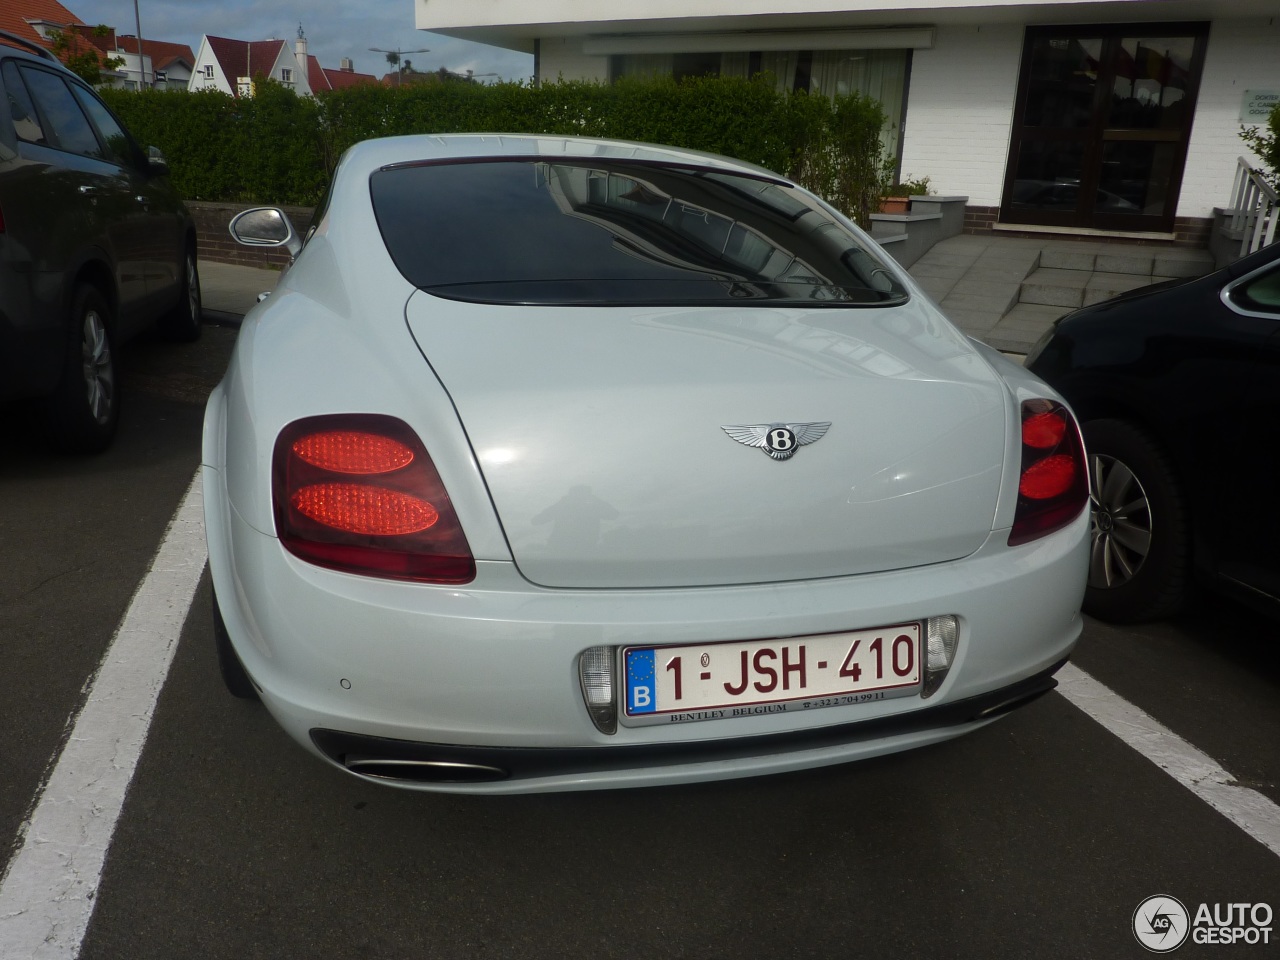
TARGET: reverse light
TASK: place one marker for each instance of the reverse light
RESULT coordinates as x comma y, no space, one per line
1053,483
941,635
596,675
359,493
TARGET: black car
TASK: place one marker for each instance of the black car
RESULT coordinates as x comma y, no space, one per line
95,246
1178,389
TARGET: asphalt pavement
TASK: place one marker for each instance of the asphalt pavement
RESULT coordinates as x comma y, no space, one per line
228,290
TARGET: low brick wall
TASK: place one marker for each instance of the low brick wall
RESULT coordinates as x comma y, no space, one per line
214,240
1191,232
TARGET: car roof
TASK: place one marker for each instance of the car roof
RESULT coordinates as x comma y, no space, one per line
26,49
1255,260
388,151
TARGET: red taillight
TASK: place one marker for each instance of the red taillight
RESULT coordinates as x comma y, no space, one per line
353,451
359,493
1053,486
364,508
1044,430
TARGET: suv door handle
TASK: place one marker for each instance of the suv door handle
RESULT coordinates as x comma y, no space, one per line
86,190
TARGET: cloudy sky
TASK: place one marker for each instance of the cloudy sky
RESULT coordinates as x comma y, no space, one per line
334,29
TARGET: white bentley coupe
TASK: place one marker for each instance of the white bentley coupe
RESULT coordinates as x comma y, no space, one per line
559,463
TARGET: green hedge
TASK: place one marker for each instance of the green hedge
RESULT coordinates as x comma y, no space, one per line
1266,144
280,148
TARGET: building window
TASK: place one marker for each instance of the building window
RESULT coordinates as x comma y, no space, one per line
286,75
208,71
879,74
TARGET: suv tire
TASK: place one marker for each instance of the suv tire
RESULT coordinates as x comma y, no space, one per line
182,323
85,408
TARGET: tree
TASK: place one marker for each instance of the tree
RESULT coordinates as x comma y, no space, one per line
86,62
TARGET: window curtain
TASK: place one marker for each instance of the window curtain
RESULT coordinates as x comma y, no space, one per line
879,74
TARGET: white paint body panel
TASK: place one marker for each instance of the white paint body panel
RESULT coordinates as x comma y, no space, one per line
608,466
493,663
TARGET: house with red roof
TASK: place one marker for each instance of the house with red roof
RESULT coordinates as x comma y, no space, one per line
35,20
163,65
232,65
166,65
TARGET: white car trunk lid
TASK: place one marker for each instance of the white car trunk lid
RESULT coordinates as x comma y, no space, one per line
600,433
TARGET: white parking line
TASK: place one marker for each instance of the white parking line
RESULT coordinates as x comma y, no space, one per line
49,889
1197,771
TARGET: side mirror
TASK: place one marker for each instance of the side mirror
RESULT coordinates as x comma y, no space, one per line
266,227
156,162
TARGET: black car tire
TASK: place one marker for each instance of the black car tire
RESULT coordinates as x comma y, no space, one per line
182,323
85,407
1139,547
233,673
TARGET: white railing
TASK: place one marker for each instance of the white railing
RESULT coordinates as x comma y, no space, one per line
1255,208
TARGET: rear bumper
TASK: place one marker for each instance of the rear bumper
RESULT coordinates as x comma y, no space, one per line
485,675
421,764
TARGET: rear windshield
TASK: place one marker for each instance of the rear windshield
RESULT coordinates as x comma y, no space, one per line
590,231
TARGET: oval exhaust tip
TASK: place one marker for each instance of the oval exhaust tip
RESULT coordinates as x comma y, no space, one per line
423,771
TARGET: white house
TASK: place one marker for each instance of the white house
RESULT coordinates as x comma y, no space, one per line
1116,117
165,66
231,65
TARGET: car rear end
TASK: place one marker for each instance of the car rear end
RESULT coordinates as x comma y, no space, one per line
514,543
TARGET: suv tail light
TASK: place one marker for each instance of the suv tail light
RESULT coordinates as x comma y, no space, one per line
358,493
1053,485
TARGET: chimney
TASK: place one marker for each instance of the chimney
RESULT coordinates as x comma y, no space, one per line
300,49
347,65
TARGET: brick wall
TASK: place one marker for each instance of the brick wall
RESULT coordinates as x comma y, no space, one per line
980,219
1188,231
214,240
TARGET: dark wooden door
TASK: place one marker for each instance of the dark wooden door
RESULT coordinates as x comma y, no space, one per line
1101,125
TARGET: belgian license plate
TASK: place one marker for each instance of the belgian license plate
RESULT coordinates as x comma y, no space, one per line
713,681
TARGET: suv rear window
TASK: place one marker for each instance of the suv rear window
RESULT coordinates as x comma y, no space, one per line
567,231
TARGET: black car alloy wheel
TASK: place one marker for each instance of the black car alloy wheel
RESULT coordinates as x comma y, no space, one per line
86,406
1138,554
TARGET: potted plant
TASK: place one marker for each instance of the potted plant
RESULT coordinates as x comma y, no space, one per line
899,200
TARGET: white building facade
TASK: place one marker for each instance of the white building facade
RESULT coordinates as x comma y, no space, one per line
1081,116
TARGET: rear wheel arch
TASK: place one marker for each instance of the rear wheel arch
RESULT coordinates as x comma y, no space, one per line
182,321
96,274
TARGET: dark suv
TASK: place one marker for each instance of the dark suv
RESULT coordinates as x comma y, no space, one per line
95,246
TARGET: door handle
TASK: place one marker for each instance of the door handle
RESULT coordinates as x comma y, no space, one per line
86,190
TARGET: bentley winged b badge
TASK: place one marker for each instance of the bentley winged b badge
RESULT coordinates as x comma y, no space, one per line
778,440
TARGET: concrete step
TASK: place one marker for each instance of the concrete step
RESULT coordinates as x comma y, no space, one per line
1182,263
893,224
1104,286
1054,287
1138,261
